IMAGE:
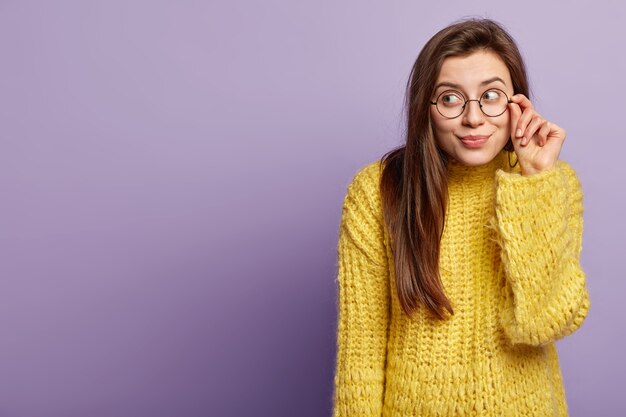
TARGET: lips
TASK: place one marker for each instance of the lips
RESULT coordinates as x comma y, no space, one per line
474,141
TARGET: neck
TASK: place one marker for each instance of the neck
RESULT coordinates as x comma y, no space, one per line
458,171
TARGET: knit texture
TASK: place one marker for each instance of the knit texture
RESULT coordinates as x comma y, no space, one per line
509,263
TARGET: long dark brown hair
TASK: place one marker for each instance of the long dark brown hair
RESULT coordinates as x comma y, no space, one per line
413,183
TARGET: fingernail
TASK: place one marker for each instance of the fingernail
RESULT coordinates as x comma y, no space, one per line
518,133
524,141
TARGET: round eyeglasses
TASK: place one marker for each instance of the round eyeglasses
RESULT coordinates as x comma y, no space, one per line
451,103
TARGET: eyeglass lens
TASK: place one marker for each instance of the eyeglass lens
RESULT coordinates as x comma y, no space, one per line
451,103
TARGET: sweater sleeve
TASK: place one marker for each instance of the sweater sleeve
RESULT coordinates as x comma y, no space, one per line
363,301
540,223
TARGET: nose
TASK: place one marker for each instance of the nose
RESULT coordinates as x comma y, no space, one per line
473,115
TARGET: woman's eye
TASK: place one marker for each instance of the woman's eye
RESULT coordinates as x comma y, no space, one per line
491,95
451,99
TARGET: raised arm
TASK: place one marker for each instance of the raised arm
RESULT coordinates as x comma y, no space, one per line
540,222
363,302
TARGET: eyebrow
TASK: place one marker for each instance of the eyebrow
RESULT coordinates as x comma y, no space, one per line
453,85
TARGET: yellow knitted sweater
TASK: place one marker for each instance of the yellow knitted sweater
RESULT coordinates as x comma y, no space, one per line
509,263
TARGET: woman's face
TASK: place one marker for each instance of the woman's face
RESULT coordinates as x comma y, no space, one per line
472,138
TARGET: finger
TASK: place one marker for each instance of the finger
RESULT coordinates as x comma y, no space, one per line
522,123
556,131
543,133
525,105
515,113
523,101
535,124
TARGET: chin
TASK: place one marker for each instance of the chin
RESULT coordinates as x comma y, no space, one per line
472,159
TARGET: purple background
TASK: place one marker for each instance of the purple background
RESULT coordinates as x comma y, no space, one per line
172,176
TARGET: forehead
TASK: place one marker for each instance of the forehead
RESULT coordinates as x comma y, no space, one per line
471,70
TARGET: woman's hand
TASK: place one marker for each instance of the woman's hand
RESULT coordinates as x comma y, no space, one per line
537,142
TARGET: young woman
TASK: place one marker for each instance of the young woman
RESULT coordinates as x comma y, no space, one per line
458,253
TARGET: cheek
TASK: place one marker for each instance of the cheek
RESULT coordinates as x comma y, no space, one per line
506,120
433,117
436,129
504,131
438,123
504,124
